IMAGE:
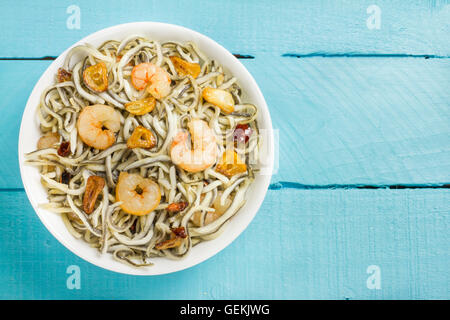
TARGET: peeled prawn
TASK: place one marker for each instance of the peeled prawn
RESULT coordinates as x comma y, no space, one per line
154,78
202,155
139,196
97,125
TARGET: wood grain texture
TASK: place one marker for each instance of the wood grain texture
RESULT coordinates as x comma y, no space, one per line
302,244
373,121
17,79
359,107
358,121
38,28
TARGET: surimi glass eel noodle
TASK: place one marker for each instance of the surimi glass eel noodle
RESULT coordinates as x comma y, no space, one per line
147,148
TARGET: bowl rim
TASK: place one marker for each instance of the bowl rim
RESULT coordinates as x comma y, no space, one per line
266,178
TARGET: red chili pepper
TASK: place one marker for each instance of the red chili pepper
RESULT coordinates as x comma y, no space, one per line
179,232
64,149
177,207
242,133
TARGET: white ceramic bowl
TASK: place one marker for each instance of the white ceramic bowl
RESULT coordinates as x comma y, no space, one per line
29,135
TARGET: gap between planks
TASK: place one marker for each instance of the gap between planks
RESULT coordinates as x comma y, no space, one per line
284,55
361,55
47,58
295,185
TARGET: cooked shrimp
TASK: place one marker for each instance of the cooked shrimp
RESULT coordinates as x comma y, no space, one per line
204,152
156,79
97,125
139,195
220,209
212,216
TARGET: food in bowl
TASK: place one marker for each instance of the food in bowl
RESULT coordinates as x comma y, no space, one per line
147,148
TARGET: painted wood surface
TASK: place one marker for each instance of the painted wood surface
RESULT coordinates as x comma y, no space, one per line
39,28
319,249
354,106
369,121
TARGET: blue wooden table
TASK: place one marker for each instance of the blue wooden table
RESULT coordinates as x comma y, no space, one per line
359,92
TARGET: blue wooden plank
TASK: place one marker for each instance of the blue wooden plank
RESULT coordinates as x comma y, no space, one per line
303,244
376,121
17,79
358,121
341,121
40,28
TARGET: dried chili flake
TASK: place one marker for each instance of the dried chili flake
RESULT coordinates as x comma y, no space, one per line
64,149
179,232
63,75
168,244
176,239
94,186
242,133
177,207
